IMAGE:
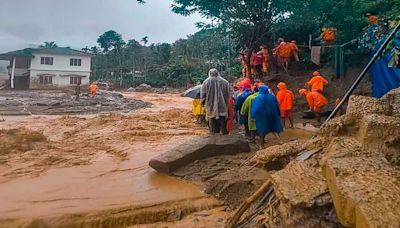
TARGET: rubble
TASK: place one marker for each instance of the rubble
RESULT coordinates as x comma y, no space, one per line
353,181
143,87
52,102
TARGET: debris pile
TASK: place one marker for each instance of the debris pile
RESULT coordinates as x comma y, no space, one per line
143,88
352,177
53,102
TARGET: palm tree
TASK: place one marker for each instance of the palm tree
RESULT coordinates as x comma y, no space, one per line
145,40
51,44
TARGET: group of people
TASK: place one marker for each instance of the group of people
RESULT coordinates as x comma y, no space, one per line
92,90
254,105
261,60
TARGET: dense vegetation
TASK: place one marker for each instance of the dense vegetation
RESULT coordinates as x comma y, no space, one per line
237,24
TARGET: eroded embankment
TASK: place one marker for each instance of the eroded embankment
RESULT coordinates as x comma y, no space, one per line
351,177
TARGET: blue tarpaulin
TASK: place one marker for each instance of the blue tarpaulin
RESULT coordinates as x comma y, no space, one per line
383,77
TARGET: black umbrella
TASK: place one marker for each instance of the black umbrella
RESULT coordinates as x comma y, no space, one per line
193,92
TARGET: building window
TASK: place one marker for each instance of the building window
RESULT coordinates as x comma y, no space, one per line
45,80
75,80
46,60
75,62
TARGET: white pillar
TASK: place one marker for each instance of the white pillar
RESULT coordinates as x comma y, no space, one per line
13,72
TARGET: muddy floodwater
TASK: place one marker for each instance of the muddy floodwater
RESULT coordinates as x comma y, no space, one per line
92,170
92,163
101,185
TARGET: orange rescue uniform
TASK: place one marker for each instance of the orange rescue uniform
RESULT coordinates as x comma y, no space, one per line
329,35
317,83
265,60
316,101
284,50
285,99
93,89
294,50
231,115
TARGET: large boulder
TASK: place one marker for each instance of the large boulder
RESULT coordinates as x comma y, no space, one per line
197,149
143,87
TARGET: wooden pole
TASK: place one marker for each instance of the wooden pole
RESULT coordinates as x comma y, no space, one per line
246,204
13,72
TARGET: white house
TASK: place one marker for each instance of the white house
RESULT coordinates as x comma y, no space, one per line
47,67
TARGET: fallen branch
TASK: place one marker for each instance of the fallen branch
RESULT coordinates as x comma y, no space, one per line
246,204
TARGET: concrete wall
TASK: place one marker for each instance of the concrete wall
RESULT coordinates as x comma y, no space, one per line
60,78
61,63
60,70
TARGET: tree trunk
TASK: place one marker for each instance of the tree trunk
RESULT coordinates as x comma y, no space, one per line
249,66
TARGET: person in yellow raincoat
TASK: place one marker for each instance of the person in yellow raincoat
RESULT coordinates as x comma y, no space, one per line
198,110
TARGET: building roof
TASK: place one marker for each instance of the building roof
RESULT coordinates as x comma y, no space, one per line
61,51
28,52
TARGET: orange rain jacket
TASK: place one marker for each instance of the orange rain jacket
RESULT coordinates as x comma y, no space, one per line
316,101
93,88
285,97
329,35
284,50
295,50
317,83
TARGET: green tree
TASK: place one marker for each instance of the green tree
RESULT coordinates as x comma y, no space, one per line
86,49
249,22
49,44
109,40
95,50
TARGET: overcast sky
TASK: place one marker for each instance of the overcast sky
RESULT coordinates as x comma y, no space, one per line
78,23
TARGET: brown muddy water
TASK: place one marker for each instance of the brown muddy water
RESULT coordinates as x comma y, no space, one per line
92,170
93,164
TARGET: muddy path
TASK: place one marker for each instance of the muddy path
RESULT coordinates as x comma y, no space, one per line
54,168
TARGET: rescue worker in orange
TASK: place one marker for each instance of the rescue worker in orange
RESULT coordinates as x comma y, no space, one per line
316,101
372,19
284,51
295,50
285,99
328,36
265,54
231,115
317,82
93,89
257,63
243,59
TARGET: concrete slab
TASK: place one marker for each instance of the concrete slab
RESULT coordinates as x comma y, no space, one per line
365,191
197,149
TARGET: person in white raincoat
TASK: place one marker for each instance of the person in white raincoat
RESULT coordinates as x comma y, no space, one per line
215,93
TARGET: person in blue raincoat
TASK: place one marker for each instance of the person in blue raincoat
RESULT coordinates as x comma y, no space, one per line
243,119
265,112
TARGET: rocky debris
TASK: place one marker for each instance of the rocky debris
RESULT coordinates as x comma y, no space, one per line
236,184
355,176
302,184
130,89
64,102
365,191
393,98
143,88
197,149
360,106
274,153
